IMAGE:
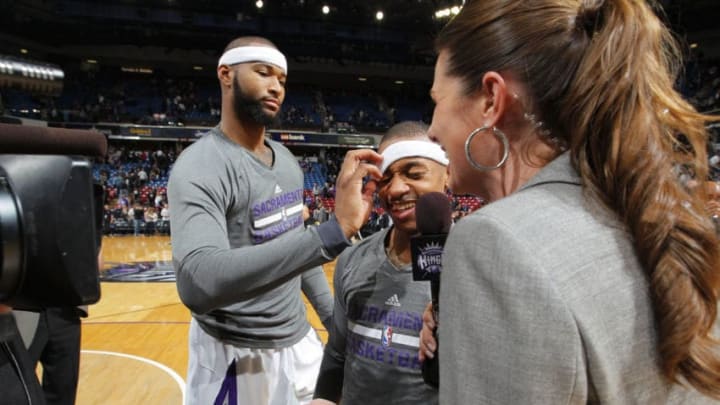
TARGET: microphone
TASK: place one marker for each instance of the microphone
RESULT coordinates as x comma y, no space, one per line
36,140
433,216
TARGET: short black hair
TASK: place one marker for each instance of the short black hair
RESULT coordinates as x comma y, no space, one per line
249,40
406,129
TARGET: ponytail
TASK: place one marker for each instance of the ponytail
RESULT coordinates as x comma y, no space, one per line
630,129
600,73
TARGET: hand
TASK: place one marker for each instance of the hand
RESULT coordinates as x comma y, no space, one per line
713,190
713,208
353,202
428,345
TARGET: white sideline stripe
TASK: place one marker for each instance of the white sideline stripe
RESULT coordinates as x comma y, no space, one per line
405,340
173,374
261,223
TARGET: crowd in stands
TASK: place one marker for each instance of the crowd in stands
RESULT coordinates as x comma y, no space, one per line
701,85
135,183
135,175
109,96
158,99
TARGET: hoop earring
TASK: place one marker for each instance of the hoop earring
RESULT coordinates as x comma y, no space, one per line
498,134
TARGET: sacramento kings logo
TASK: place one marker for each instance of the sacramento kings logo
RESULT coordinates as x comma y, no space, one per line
429,260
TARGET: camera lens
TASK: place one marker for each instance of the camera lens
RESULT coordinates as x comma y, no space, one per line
10,242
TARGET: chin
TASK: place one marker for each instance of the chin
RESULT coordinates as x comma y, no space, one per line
409,229
270,113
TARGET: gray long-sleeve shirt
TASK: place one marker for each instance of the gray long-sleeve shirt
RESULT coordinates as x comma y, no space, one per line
239,244
372,353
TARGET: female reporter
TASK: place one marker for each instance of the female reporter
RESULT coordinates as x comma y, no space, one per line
592,276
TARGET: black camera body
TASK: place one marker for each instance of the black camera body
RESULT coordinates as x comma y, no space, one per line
48,231
50,217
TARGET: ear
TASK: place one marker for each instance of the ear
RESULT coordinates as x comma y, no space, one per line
225,75
494,98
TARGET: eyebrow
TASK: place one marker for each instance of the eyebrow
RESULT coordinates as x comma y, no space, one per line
407,166
275,69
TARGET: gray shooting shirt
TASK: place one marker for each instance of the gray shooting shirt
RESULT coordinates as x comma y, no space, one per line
239,244
372,352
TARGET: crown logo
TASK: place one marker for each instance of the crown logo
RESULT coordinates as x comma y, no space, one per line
430,258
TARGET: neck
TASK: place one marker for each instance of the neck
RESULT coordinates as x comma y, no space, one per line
398,248
248,134
524,162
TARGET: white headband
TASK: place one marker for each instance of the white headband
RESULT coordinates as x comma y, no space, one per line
406,149
244,54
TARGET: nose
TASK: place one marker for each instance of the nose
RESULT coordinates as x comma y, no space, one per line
276,89
397,187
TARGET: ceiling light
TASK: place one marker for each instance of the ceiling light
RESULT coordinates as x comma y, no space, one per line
325,9
379,15
447,12
259,4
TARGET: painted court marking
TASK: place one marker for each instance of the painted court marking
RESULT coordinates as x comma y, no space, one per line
173,374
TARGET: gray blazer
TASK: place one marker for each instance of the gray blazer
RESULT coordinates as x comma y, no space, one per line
543,301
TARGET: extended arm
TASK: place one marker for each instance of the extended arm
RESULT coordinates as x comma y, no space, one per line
211,274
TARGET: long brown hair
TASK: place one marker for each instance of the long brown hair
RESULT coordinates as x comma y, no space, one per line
601,75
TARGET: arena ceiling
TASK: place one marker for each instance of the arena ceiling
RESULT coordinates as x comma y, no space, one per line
409,22
197,30
120,21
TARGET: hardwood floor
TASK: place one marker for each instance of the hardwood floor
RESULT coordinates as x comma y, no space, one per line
134,342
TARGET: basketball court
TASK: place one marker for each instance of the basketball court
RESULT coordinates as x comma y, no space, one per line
134,342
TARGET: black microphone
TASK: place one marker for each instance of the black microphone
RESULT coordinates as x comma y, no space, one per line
433,216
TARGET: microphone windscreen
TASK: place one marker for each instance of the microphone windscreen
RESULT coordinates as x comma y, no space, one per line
433,214
22,139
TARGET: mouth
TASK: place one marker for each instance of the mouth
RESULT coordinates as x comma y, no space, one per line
271,103
402,209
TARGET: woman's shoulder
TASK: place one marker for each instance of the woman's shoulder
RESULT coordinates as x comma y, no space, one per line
531,207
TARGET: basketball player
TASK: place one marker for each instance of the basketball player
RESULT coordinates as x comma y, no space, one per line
239,244
371,356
